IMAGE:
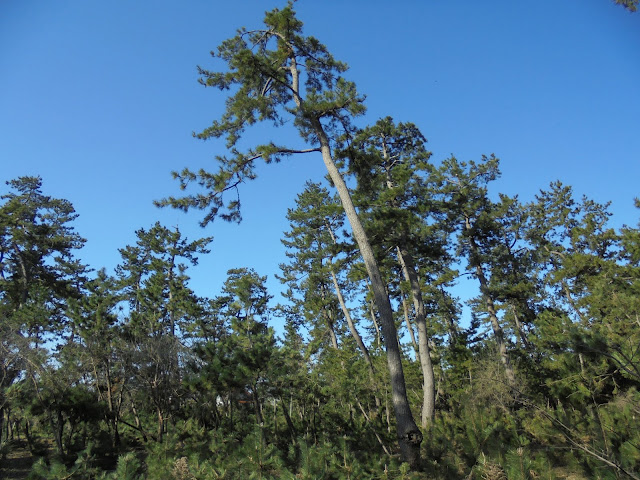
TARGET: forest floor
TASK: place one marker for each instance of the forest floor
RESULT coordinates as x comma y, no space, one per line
17,464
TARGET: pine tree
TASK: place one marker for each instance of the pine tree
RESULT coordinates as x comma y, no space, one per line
236,361
37,266
97,345
153,281
390,164
39,275
317,260
474,215
276,73
631,5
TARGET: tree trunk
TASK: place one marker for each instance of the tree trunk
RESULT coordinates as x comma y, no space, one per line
345,310
451,321
497,329
354,332
287,418
491,310
137,420
28,436
428,387
330,320
405,311
256,405
160,424
409,435
352,328
520,328
112,411
372,313
372,427
57,428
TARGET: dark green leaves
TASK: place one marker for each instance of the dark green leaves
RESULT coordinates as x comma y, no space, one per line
631,5
273,74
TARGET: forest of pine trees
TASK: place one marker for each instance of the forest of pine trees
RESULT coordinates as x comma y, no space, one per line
381,369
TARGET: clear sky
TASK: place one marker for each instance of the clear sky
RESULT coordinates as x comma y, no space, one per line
101,98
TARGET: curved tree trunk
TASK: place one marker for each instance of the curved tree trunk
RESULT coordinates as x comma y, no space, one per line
498,333
356,335
409,435
410,272
347,315
352,328
428,387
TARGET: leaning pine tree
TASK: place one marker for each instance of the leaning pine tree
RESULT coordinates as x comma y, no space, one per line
273,74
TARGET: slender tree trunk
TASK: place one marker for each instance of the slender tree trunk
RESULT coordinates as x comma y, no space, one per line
257,406
405,311
354,332
25,276
137,420
352,328
287,418
369,424
386,409
409,435
498,333
175,357
491,309
372,313
160,423
453,328
346,313
27,435
13,426
328,314
10,425
112,411
520,328
57,428
275,419
410,272
428,387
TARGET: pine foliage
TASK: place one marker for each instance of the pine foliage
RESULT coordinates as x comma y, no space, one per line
131,375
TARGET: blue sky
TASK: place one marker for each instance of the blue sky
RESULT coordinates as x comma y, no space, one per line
101,98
